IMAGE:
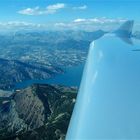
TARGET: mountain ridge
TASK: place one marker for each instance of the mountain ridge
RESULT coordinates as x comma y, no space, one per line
34,108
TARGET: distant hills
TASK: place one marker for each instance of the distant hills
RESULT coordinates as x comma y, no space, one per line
38,55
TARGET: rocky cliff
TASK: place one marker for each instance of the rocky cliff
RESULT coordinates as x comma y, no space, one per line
37,112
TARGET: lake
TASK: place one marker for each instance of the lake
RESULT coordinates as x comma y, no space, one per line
71,77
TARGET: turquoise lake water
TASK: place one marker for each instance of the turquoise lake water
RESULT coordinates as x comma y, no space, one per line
71,77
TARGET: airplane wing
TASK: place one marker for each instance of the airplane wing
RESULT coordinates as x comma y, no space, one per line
108,102
127,40
127,26
124,32
136,50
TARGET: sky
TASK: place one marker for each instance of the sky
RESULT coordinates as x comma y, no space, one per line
67,13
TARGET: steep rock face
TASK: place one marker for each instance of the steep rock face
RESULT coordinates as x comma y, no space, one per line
30,108
10,123
37,112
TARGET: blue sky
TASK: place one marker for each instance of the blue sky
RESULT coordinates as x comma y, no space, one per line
67,11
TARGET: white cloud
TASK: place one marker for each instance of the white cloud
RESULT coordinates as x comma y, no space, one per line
60,24
79,20
91,24
83,7
56,6
98,20
51,9
77,24
16,23
30,11
19,25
